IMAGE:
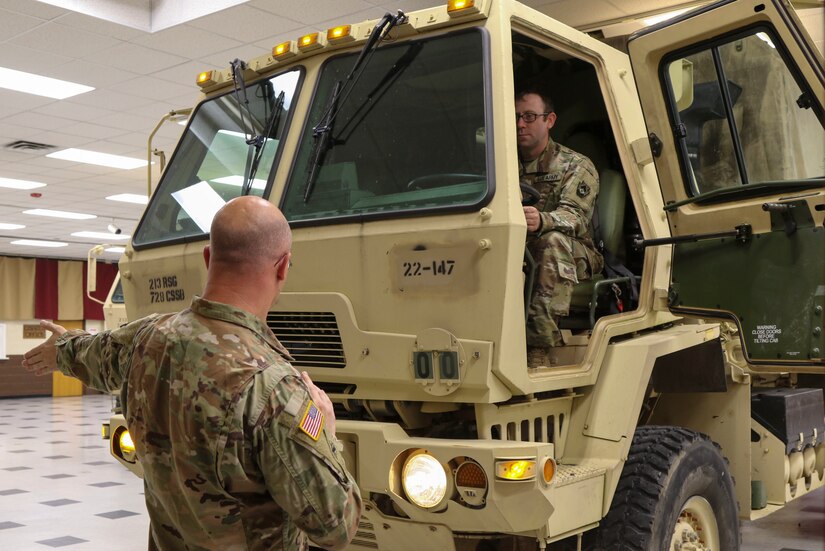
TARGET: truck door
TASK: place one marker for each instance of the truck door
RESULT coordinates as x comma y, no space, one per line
733,100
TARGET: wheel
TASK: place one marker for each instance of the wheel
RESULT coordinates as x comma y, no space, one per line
675,494
442,179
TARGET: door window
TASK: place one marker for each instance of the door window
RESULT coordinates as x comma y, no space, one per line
741,117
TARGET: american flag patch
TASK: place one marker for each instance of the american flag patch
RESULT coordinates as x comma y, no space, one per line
313,421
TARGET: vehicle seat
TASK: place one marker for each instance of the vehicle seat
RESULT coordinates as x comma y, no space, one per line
591,297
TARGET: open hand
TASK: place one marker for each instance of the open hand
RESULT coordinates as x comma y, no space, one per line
42,359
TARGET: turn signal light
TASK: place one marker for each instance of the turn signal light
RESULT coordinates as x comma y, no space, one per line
516,469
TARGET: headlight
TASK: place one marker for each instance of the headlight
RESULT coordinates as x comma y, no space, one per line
424,480
122,445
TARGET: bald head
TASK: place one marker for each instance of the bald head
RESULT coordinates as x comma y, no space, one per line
249,231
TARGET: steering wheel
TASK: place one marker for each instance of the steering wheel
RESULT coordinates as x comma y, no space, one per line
529,195
444,178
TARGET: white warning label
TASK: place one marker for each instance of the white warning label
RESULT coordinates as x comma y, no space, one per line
766,334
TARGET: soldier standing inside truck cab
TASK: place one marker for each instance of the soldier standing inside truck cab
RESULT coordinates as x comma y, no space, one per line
559,232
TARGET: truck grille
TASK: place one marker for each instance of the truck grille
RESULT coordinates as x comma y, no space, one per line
312,338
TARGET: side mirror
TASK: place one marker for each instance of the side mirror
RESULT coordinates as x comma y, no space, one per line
680,73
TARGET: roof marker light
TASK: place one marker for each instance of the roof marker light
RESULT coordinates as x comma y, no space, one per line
457,8
205,79
283,50
309,42
339,34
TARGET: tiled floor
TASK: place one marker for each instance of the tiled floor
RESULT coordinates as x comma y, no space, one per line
59,487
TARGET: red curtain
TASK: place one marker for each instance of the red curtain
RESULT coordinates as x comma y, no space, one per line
105,277
45,289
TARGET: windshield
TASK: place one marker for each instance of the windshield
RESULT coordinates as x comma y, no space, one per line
409,136
210,164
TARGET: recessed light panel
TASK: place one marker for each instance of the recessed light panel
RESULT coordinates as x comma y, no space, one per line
101,235
129,198
60,214
38,243
97,158
6,226
117,250
20,184
40,85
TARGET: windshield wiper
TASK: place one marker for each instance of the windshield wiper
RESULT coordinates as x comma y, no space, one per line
322,132
256,142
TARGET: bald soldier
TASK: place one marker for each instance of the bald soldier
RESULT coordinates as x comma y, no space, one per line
238,448
559,236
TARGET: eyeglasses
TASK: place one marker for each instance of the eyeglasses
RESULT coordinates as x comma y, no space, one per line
529,116
282,259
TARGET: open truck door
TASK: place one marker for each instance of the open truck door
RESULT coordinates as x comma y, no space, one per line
733,100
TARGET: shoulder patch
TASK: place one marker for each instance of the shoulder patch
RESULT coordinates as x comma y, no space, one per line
583,190
312,421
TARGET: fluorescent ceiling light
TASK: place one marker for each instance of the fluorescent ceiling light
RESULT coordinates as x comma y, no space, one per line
96,158
100,235
6,226
118,250
38,243
20,184
40,85
60,214
239,181
129,198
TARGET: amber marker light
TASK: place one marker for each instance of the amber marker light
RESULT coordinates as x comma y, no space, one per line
339,34
283,50
516,469
309,42
461,7
205,79
548,471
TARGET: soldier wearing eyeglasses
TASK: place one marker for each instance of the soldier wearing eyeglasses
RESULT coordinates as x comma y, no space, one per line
559,230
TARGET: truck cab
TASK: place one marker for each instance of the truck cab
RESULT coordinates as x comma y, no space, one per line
390,147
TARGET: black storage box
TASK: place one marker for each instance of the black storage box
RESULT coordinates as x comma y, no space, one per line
787,412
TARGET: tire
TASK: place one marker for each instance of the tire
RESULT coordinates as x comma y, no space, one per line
674,481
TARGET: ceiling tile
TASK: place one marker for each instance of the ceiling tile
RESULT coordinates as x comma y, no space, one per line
152,88
38,120
13,24
315,11
40,10
29,60
74,111
136,58
100,26
54,37
187,41
248,23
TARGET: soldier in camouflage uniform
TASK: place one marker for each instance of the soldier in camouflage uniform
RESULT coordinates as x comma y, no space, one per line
559,232
238,448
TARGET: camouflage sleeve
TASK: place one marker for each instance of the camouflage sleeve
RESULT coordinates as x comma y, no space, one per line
101,360
580,186
304,469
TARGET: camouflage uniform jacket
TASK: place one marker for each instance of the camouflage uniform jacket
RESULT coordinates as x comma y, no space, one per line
568,183
222,425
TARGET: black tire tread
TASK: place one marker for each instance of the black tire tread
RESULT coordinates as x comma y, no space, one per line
652,453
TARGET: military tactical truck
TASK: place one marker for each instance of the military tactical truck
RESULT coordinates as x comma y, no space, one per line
688,393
